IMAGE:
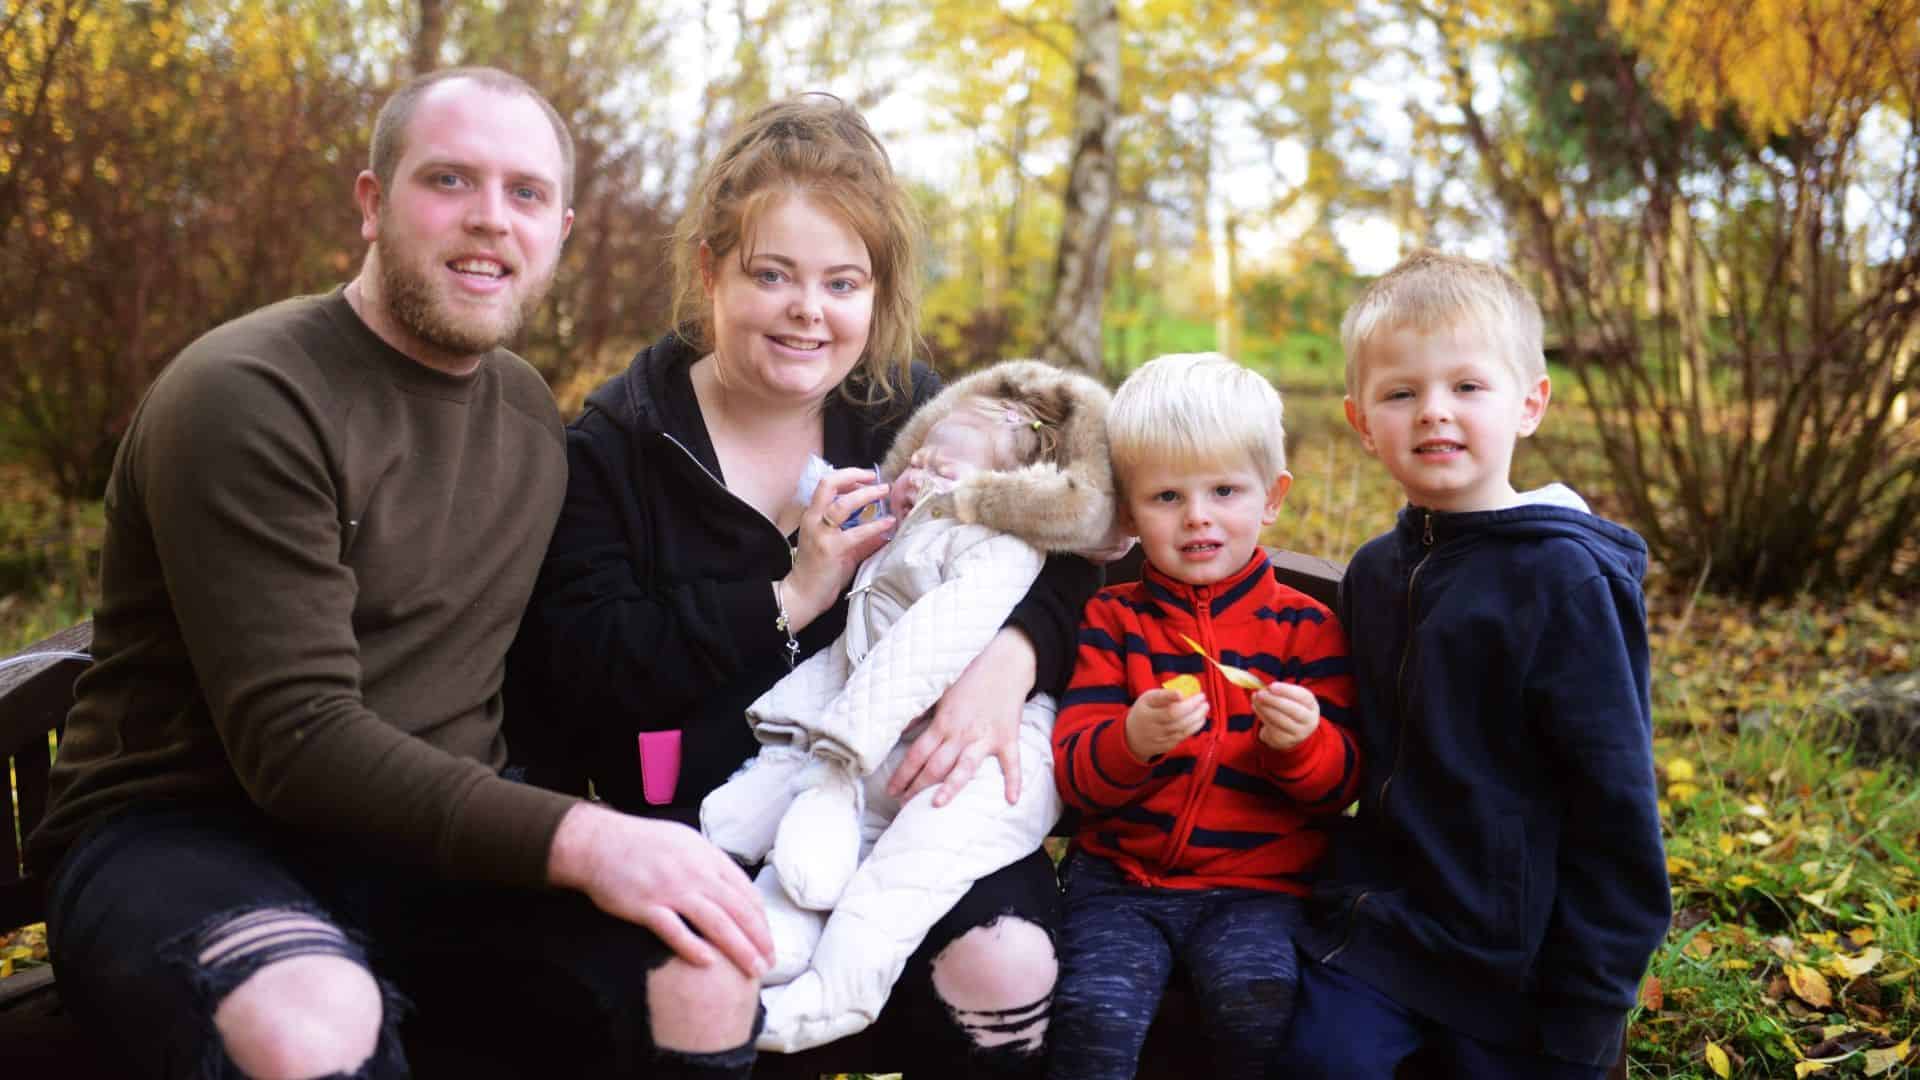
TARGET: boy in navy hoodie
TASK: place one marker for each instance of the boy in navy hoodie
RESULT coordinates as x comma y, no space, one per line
1499,891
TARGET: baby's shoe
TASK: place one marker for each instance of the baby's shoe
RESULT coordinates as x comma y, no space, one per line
801,1015
795,930
742,816
817,847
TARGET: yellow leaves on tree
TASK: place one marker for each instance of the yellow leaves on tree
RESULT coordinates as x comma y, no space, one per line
1781,65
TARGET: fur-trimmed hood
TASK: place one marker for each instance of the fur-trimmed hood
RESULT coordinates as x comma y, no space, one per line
1066,505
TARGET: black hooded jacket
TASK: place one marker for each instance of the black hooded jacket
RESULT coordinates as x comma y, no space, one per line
1504,874
654,609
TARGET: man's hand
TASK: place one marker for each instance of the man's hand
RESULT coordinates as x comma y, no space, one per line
1161,719
666,877
1288,713
977,716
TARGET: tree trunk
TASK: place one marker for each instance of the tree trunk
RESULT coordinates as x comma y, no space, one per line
1072,329
427,38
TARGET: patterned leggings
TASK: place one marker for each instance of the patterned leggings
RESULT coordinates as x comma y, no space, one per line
1118,947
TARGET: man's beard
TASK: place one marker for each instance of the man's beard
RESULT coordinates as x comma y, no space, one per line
413,303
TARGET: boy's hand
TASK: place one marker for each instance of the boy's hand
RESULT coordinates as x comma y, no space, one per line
1160,719
1288,713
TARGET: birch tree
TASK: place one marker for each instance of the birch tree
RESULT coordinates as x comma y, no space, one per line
1072,328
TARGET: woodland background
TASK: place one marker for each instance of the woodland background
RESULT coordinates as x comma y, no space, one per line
1718,205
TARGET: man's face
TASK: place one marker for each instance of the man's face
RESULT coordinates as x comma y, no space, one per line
470,233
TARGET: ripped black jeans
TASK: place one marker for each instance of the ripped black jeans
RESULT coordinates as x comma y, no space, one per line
160,911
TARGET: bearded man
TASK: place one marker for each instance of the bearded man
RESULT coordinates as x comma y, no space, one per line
277,818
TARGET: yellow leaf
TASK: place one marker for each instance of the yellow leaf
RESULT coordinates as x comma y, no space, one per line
1740,881
1807,1068
1717,1060
1677,866
1699,946
1809,986
1726,844
1682,792
1184,685
1860,936
1679,770
1852,967
1879,1061
1839,885
6,966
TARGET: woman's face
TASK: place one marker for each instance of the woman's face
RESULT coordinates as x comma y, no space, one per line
792,321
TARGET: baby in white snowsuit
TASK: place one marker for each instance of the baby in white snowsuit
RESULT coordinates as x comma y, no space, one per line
999,468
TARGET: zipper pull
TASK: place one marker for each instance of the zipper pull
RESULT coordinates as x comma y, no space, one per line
1426,537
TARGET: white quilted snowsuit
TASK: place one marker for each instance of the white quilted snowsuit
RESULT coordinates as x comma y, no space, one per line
920,610
855,880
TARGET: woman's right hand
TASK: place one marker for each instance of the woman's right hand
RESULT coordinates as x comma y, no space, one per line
828,555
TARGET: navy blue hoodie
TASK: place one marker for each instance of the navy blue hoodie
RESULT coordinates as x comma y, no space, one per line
1504,874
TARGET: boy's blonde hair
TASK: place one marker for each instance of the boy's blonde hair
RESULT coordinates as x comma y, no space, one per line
1431,291
1196,408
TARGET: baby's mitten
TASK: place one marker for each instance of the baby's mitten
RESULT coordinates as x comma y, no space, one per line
817,847
742,815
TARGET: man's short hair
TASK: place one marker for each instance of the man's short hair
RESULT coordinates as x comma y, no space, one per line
1430,292
390,127
1196,408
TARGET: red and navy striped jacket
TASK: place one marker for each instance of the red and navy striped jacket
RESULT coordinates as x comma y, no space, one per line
1221,808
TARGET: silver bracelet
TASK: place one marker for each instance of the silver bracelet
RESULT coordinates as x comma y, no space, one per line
786,627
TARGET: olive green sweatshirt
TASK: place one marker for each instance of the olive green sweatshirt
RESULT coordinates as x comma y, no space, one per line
317,552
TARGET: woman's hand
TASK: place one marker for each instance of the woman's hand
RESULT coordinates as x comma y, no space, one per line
828,555
979,715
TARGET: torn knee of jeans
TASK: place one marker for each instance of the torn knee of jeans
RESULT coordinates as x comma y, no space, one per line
1019,1031
1004,1011
718,1062
225,950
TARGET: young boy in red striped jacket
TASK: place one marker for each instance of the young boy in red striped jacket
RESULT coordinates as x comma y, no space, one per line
1200,780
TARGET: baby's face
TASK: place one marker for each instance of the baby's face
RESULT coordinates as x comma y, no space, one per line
955,448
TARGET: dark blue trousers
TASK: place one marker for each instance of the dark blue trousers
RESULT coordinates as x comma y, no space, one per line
1344,1029
1118,947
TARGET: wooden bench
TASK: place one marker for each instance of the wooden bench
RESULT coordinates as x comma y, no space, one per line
38,1038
